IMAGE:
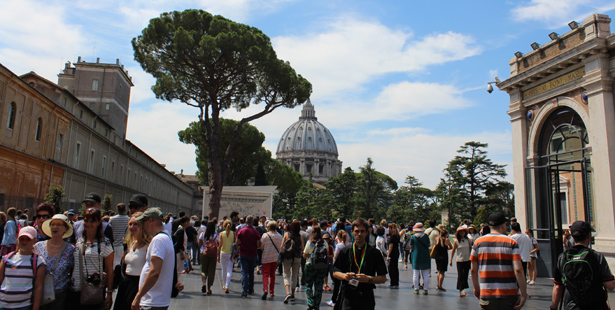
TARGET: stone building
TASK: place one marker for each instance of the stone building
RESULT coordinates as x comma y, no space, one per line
563,131
75,146
308,147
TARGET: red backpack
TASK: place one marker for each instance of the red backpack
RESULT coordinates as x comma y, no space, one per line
211,246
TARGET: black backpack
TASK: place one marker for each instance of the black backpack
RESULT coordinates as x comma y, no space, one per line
291,247
320,256
581,277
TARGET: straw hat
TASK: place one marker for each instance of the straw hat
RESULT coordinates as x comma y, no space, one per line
462,227
418,227
60,217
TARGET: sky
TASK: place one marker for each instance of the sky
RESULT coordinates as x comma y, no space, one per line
402,82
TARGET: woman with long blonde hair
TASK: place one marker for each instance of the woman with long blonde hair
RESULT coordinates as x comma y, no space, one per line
137,242
225,253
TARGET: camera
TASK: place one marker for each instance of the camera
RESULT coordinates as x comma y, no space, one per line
94,279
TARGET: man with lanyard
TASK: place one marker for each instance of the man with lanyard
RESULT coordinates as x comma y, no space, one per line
359,266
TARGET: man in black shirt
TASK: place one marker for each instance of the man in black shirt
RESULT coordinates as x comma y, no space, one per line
359,266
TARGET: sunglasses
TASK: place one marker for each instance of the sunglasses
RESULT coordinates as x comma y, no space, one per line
43,216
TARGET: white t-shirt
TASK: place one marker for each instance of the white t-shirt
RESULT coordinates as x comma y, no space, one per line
525,245
159,295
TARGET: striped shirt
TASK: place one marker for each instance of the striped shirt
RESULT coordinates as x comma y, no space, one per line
18,284
120,225
495,254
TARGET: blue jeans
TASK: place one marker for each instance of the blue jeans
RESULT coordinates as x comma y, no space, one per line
247,274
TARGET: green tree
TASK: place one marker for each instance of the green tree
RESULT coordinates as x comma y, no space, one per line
373,191
54,196
213,64
249,152
467,178
412,202
342,192
106,203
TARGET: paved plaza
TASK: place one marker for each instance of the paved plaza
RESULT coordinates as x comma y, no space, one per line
401,298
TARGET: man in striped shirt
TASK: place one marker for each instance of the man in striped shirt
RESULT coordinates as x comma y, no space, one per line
497,272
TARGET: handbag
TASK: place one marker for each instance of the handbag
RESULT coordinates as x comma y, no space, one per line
49,294
91,294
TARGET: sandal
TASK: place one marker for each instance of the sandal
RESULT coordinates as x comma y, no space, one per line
462,293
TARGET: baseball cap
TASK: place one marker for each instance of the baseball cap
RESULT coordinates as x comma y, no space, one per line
71,212
28,231
150,213
496,219
93,197
581,228
139,199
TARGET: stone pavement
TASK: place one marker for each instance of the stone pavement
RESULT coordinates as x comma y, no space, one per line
402,298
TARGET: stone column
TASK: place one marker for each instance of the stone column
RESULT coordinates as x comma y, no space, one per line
518,120
601,131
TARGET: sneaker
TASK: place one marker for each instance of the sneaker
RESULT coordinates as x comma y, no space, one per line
327,288
425,292
286,299
462,293
292,297
531,282
204,289
331,303
416,292
244,295
405,266
264,297
400,261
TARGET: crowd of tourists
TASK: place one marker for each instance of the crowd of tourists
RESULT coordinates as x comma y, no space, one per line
66,261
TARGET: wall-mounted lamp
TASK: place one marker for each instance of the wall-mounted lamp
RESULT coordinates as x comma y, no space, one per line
518,54
553,36
573,25
535,46
489,87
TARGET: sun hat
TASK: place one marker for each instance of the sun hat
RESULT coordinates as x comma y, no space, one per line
462,227
28,231
60,217
418,227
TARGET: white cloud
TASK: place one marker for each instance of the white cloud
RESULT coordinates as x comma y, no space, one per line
37,39
351,52
422,155
558,13
155,132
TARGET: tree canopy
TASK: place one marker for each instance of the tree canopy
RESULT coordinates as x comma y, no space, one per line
213,64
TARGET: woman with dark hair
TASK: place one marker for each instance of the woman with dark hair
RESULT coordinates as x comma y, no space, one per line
9,237
314,276
208,243
44,212
291,255
135,256
463,247
393,255
443,244
93,257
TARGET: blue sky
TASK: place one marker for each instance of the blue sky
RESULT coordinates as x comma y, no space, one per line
402,82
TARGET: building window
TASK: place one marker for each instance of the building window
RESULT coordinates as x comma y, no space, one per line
91,163
107,106
94,84
59,151
112,171
128,178
121,172
39,125
77,151
12,112
102,169
94,125
80,114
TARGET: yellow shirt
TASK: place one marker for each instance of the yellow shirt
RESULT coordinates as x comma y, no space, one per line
227,242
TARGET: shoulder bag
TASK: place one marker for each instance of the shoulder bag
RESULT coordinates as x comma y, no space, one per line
276,248
49,294
91,293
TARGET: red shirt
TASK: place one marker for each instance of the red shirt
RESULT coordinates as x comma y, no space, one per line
248,236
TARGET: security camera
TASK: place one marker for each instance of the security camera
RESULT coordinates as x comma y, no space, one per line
489,88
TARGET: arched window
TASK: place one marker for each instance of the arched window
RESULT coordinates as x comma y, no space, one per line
12,112
39,125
